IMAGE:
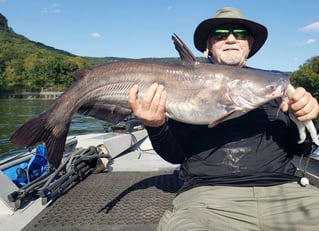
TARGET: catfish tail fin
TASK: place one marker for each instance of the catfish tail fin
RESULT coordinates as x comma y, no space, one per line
31,132
37,130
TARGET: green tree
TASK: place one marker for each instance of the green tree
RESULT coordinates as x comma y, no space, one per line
307,76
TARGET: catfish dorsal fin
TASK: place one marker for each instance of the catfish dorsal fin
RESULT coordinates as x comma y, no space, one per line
80,73
184,52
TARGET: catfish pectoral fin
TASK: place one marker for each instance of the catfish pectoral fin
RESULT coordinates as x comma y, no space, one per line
221,119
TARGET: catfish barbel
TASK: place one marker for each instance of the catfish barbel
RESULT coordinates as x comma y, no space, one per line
196,94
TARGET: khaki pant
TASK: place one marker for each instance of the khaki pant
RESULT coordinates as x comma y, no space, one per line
283,207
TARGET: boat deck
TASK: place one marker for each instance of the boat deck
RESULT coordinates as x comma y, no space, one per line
111,201
131,194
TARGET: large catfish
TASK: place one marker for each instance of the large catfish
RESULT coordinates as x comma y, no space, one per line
197,93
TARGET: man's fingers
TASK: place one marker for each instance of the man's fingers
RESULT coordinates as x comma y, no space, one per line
162,102
156,98
148,98
132,97
303,105
150,110
284,106
299,99
309,111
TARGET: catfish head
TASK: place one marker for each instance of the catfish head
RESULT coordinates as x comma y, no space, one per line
251,93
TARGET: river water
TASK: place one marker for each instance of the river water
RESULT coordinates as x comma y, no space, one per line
15,112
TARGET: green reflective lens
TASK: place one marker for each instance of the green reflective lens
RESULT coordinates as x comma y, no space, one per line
221,34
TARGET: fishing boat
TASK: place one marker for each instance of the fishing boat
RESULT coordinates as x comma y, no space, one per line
106,181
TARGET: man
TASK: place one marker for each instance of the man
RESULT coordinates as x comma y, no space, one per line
237,175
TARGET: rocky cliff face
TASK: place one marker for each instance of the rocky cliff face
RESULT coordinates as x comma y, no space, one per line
4,23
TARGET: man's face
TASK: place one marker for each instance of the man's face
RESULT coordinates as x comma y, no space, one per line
230,44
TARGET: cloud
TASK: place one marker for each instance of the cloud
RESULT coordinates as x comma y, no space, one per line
95,35
311,27
310,41
52,9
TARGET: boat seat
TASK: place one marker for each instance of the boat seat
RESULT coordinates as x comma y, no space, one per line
37,166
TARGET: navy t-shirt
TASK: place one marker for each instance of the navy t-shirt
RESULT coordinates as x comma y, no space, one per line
255,149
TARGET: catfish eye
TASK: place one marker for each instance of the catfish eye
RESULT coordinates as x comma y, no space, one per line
272,88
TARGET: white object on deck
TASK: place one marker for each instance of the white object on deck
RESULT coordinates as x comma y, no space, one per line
143,158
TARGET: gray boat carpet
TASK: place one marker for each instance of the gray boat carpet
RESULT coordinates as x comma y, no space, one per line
115,201
111,201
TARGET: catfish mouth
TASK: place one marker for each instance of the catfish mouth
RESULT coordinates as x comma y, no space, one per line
246,102
242,99
279,89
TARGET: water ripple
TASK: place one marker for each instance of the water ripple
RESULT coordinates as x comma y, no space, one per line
15,112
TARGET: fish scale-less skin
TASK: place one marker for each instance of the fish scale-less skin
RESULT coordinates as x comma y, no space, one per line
198,94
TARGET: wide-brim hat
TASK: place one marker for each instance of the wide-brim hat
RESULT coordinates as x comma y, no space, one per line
230,15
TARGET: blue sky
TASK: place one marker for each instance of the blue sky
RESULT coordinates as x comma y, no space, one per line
143,28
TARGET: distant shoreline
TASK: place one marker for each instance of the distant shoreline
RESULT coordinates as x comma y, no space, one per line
49,95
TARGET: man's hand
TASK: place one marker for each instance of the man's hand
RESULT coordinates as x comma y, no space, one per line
151,110
302,105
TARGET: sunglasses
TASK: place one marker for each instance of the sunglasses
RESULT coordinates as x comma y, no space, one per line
222,34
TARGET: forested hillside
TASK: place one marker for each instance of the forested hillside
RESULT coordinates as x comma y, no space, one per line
31,66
